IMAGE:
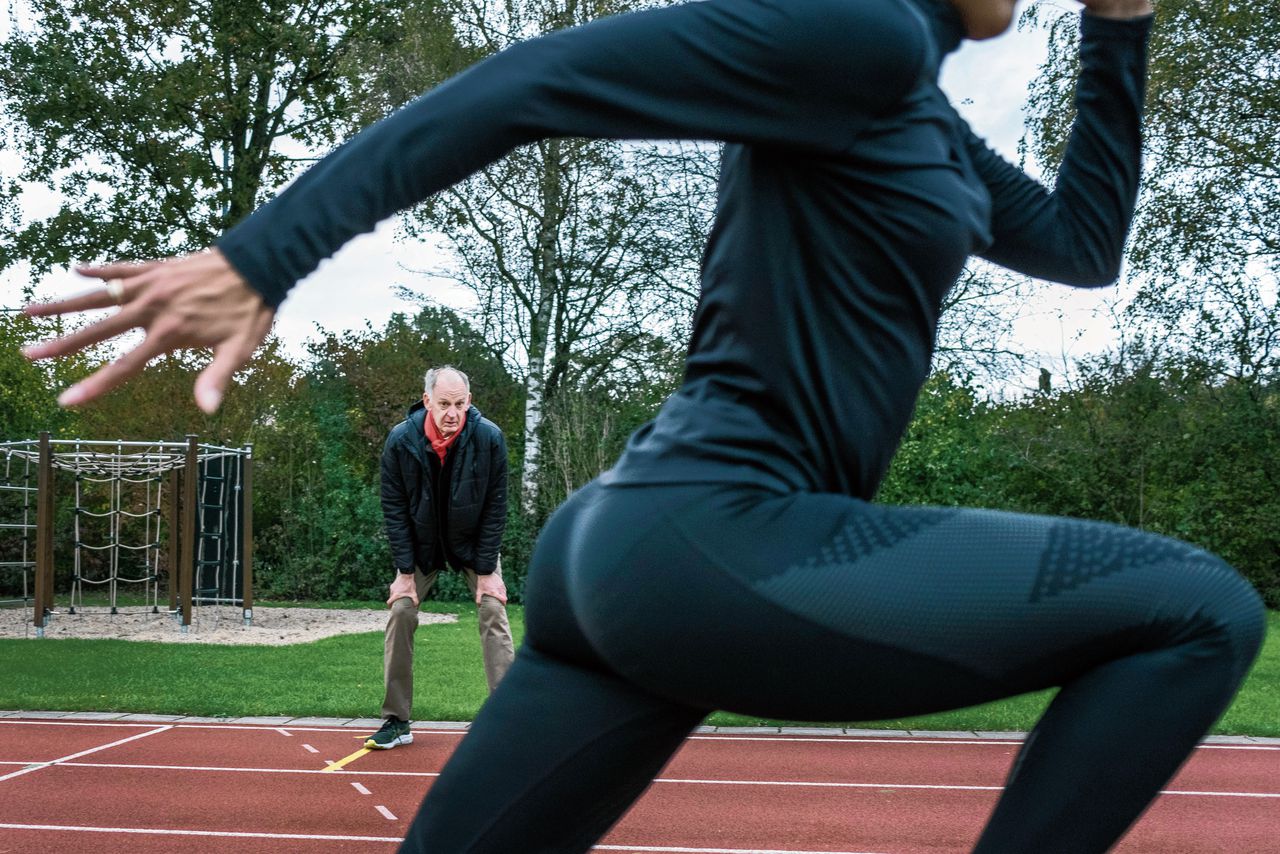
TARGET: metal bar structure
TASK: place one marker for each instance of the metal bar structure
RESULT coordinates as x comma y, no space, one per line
189,475
175,538
246,541
189,470
25,563
117,443
44,536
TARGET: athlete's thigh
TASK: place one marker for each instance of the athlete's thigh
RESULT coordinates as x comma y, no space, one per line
1025,600
815,605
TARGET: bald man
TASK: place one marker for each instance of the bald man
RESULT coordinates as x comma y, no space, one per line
444,498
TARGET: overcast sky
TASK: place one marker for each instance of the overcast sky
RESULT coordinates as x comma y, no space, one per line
987,81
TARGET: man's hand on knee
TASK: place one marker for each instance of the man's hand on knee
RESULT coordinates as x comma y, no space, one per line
404,587
491,585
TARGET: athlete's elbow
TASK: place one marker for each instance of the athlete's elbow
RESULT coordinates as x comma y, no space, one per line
1097,268
1088,259
1094,273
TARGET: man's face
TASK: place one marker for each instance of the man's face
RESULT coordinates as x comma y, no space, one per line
447,402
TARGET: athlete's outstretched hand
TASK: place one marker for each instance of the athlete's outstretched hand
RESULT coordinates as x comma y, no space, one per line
1118,8
193,301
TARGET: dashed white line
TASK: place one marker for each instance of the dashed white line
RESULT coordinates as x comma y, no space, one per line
66,759
361,789
386,813
309,748
284,731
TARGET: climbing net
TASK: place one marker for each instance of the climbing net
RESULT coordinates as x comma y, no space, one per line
118,518
133,501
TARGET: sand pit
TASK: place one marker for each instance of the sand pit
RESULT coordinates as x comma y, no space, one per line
219,624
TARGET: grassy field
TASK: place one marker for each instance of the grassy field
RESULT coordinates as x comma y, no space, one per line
342,677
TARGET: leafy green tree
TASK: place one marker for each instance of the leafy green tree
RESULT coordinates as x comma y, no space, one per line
578,253
949,455
29,390
321,533
1205,252
160,124
1158,443
1176,430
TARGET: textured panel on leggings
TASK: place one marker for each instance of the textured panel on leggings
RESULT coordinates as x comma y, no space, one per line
1077,553
875,531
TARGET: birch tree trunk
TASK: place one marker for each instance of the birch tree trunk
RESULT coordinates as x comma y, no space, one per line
545,267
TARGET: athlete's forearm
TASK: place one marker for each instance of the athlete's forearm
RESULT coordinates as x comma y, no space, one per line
1076,233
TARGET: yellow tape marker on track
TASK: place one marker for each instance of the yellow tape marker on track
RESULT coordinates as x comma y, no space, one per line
352,758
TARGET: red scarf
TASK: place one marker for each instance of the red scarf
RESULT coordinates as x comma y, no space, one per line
439,443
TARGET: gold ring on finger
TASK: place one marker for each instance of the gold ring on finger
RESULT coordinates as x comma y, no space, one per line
115,289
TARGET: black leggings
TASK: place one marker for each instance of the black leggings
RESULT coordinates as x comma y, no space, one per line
650,606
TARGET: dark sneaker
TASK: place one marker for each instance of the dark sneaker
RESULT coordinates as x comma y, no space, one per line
394,731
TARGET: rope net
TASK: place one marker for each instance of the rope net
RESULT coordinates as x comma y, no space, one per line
120,526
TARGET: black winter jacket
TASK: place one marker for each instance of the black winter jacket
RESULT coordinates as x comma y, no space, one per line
477,499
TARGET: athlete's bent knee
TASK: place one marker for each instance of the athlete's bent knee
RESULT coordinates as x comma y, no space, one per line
1227,608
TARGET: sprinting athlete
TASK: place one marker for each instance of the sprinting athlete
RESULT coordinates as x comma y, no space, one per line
731,560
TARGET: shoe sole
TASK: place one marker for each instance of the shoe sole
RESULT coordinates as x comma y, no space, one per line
407,738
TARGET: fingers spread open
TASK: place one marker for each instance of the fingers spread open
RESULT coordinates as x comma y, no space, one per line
229,357
212,383
107,378
118,270
99,297
108,327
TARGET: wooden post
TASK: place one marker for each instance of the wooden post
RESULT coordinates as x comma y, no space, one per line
246,536
190,474
175,539
44,535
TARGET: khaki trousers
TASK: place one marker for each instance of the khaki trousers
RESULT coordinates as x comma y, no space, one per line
495,643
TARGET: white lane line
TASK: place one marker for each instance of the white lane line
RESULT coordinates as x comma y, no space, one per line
386,813
1224,794
814,784
923,785
1238,747
458,733
361,789
214,833
844,739
284,731
252,770
67,759
75,723
225,834
309,748
830,785
676,850
941,742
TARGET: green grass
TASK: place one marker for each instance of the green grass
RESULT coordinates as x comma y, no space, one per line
342,676
338,676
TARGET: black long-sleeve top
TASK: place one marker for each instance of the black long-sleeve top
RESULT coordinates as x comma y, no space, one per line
851,195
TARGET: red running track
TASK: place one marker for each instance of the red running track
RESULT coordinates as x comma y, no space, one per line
158,787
